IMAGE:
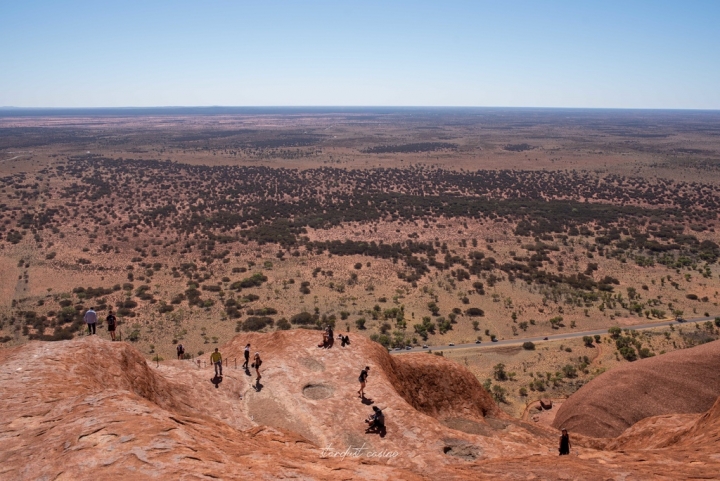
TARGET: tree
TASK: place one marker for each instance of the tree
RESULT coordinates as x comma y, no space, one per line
614,332
360,324
588,340
476,324
569,371
499,393
499,372
556,322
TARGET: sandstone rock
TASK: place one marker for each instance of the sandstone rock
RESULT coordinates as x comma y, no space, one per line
680,382
92,409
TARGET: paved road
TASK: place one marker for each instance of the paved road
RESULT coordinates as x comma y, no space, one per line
554,337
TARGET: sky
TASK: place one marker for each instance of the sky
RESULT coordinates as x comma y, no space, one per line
510,53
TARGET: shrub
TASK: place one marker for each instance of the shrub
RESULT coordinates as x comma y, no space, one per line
499,372
529,345
569,371
304,319
256,323
360,323
588,340
474,312
283,324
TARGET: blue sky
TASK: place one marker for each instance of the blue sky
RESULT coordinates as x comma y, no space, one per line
609,54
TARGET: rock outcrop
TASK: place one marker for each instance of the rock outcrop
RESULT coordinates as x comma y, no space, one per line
92,409
680,382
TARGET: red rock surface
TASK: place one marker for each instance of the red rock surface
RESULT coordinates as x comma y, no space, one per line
91,409
680,382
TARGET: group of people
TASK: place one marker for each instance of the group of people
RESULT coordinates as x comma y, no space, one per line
91,318
376,420
329,339
217,362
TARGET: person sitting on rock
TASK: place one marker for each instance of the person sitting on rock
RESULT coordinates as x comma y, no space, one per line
325,340
564,443
344,340
376,421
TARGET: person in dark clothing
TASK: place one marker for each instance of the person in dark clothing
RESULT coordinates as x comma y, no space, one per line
344,341
112,323
246,353
180,351
363,379
376,421
564,443
330,338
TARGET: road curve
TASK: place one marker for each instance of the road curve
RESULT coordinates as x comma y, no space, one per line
551,337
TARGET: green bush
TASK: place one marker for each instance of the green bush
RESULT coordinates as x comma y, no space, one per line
304,319
256,323
528,345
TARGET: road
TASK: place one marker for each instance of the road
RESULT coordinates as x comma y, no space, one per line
554,337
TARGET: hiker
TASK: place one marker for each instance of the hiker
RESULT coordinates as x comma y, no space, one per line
564,443
257,362
216,359
91,319
376,421
325,341
180,351
331,338
246,353
344,340
111,322
363,380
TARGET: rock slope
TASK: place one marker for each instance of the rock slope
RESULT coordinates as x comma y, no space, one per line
680,382
92,409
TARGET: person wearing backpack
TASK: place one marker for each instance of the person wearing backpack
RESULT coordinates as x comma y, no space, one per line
180,352
112,323
363,379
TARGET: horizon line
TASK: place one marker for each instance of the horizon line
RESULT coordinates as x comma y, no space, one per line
339,108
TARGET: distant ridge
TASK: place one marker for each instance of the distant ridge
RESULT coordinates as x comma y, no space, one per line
290,110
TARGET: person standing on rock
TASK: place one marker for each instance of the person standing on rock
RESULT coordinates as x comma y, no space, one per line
257,362
180,351
111,322
216,360
363,380
246,353
331,338
91,320
564,443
